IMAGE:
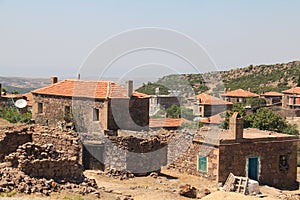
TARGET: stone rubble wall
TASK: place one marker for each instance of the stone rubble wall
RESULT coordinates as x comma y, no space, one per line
11,138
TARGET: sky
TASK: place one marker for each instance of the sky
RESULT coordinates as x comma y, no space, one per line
52,37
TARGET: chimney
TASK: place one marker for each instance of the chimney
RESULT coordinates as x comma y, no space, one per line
53,80
236,126
0,89
129,88
78,76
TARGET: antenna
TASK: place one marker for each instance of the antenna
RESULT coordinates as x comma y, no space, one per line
21,103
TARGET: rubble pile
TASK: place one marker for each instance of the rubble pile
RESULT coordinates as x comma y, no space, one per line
38,159
122,175
12,179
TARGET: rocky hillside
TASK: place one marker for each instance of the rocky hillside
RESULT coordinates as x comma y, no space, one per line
260,78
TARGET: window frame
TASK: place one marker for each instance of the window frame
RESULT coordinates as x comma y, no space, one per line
96,114
40,108
200,161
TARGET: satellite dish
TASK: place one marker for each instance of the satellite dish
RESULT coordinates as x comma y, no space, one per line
21,103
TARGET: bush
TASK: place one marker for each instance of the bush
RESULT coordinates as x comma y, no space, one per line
13,115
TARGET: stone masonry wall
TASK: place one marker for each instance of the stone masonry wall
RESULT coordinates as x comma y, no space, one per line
128,114
187,163
233,158
10,139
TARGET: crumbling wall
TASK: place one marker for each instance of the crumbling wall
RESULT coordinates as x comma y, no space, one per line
11,138
45,162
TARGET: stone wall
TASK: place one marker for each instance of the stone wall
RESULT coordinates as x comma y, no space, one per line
210,110
109,118
128,114
233,158
45,162
11,138
187,163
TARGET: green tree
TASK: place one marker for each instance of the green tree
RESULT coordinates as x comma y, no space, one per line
256,103
173,111
15,92
176,112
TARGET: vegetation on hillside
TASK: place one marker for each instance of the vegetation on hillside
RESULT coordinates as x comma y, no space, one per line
149,88
260,78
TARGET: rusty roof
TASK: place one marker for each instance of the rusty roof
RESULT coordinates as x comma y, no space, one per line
295,90
240,93
206,99
89,89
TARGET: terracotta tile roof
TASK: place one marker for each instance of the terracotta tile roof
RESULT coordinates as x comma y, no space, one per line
240,93
89,89
272,94
167,122
206,99
295,90
28,98
215,119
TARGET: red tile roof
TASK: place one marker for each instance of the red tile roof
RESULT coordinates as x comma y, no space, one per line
240,93
167,122
207,99
295,90
272,94
215,119
28,98
89,89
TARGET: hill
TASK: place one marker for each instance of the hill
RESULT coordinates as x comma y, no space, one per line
22,85
260,78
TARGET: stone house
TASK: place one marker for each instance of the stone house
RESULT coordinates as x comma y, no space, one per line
272,98
291,98
208,105
238,96
268,157
162,102
96,105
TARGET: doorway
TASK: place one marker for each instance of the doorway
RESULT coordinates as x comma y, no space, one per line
253,163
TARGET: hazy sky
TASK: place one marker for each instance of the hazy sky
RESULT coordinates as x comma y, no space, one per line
52,37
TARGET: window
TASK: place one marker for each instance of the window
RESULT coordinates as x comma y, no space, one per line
67,110
202,164
283,163
68,114
40,108
95,114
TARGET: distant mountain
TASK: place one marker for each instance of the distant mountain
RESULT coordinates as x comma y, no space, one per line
260,78
23,85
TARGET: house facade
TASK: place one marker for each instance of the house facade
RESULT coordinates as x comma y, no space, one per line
238,96
291,98
163,102
93,105
268,157
272,98
208,105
